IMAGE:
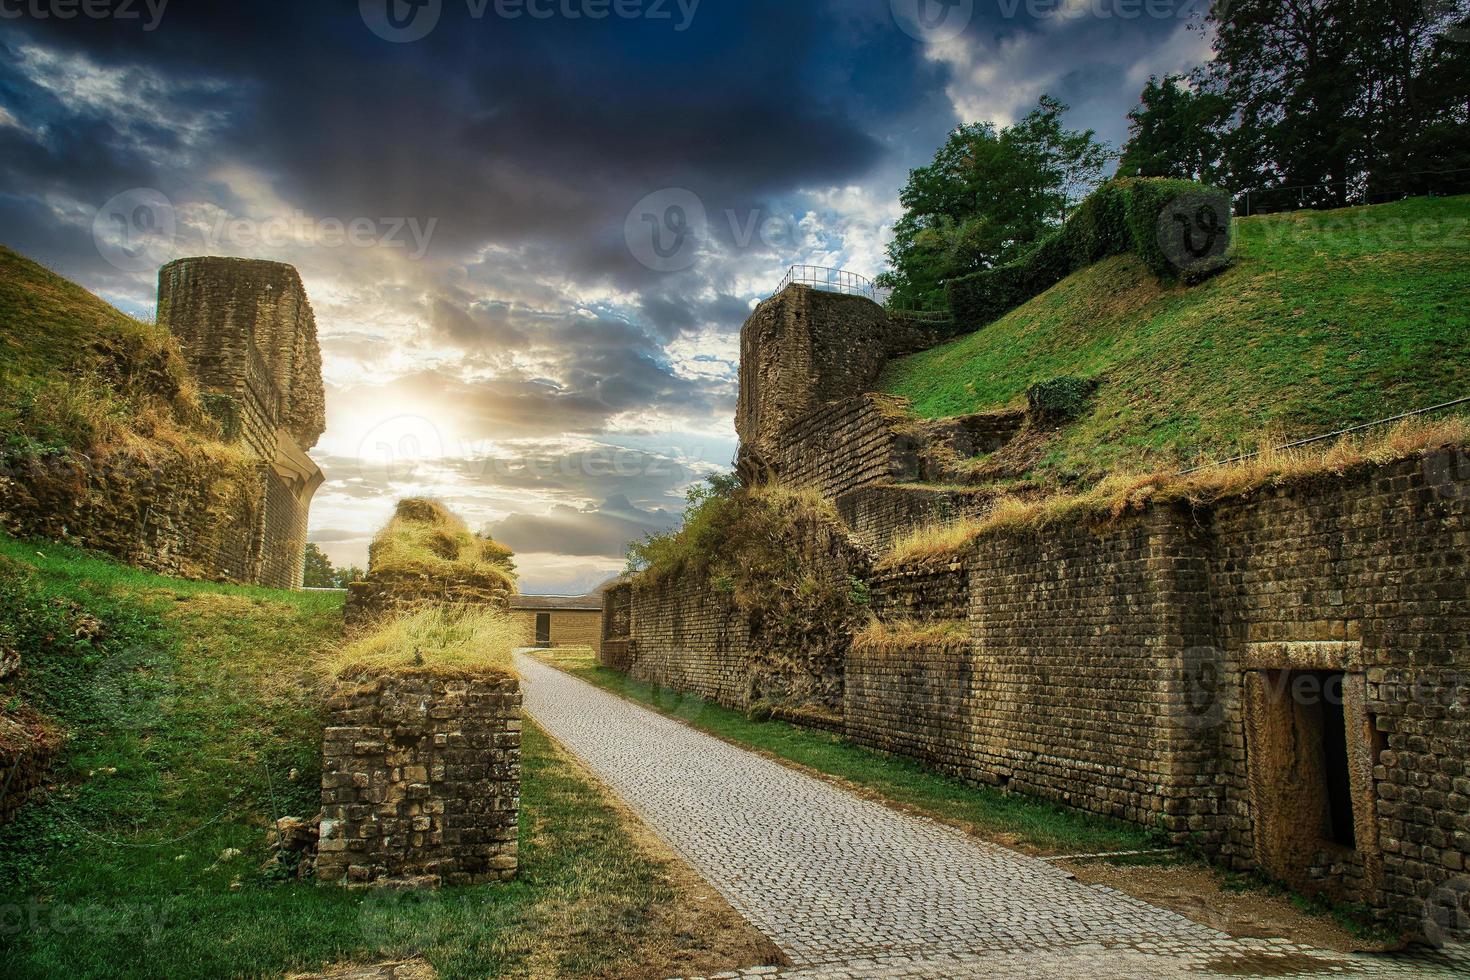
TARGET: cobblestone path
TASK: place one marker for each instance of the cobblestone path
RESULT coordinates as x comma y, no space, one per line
851,888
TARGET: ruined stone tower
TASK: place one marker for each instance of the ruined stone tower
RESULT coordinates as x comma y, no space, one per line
247,331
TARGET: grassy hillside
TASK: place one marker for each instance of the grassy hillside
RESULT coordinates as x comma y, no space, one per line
77,374
1325,319
194,719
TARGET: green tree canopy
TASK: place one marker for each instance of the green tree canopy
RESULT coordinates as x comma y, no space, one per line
1354,95
319,572
988,194
1176,131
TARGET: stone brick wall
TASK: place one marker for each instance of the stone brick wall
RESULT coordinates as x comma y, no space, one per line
248,333
421,780
691,638
569,627
689,634
880,515
855,442
174,512
1149,669
227,312
616,648
924,593
1072,642
805,348
1364,574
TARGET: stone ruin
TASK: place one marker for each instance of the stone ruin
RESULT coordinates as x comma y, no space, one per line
421,778
1281,679
247,332
427,557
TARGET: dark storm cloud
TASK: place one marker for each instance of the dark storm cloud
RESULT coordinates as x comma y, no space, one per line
550,470
672,313
504,131
474,326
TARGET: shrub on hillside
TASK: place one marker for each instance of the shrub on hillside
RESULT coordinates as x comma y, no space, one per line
1060,399
1179,228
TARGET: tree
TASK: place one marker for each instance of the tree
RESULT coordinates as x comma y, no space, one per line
347,575
1176,131
988,194
319,573
1352,96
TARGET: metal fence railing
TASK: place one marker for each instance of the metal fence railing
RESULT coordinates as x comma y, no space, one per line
1335,434
850,283
831,280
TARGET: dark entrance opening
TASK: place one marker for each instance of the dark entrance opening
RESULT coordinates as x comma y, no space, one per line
1335,761
543,627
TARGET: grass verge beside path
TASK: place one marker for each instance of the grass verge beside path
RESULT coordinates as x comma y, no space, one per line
189,705
1017,821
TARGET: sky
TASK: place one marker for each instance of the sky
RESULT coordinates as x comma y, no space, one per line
530,229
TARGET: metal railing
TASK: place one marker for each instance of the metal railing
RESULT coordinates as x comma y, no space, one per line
831,280
851,283
1335,434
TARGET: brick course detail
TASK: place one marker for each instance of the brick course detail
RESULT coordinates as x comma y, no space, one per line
421,780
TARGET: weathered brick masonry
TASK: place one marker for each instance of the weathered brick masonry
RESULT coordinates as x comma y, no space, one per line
235,508
421,780
881,514
249,335
616,649
1173,669
1283,677
692,638
691,635
804,349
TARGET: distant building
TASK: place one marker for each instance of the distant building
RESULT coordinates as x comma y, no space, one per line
560,620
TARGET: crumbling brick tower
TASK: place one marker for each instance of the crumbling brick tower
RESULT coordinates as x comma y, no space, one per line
248,333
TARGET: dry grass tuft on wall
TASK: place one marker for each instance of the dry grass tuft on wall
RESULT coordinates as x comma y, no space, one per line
891,638
447,641
1124,493
424,538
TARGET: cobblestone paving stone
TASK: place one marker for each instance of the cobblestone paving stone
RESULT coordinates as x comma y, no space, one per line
849,888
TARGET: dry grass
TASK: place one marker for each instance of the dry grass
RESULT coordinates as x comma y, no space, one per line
1124,493
424,538
897,637
446,641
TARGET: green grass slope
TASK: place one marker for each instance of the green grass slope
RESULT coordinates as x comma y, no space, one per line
76,373
1325,319
195,717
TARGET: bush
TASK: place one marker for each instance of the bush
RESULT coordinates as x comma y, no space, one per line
1179,228
1060,399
